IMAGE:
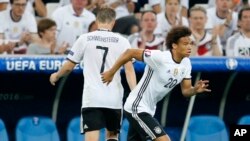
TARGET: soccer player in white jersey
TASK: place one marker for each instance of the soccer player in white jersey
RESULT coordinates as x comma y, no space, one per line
238,45
72,20
164,70
101,104
146,39
18,26
206,44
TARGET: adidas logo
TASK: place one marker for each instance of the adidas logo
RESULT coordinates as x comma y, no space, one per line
85,126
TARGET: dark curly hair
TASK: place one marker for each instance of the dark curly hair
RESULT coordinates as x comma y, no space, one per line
175,34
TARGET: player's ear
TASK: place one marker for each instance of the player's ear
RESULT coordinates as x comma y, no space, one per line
174,45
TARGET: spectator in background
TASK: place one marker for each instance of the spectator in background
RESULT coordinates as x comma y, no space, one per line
154,5
72,20
126,25
3,5
47,44
224,18
37,7
146,5
206,44
235,5
146,39
238,45
183,9
171,17
18,27
94,5
122,8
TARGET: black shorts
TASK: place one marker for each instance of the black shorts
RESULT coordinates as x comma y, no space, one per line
143,127
98,118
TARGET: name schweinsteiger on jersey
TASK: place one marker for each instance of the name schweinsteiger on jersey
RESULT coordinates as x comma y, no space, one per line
99,50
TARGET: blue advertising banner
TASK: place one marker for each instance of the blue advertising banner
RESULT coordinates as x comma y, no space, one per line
49,64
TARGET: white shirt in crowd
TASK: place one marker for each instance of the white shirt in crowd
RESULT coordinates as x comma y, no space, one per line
238,45
70,26
163,25
157,43
214,20
184,3
161,75
204,46
103,48
12,30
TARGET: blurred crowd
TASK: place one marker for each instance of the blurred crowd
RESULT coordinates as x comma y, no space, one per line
219,27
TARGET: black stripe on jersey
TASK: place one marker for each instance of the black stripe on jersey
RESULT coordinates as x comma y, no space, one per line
71,61
137,101
142,90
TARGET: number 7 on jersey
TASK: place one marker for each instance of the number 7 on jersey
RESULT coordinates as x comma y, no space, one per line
106,49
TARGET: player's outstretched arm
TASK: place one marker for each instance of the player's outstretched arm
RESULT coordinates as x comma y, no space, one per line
123,59
67,67
189,90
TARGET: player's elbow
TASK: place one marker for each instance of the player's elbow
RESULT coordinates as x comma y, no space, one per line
134,53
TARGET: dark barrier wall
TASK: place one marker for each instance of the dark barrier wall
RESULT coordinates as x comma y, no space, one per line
25,90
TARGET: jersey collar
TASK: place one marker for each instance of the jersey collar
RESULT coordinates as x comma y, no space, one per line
103,29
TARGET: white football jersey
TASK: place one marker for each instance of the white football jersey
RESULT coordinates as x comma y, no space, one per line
157,43
213,20
161,75
163,25
204,46
238,45
12,31
70,26
99,50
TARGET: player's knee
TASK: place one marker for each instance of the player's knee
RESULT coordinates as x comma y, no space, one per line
112,139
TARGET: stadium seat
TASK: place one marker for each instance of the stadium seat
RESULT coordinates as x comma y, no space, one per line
173,132
3,132
73,131
206,128
124,130
51,7
102,135
36,129
245,120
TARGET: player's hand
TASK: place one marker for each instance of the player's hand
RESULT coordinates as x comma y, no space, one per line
202,86
107,77
53,79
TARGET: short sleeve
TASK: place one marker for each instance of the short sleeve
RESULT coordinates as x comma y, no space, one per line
188,67
77,51
153,58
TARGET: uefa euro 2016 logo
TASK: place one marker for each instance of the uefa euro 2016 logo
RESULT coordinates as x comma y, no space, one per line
231,63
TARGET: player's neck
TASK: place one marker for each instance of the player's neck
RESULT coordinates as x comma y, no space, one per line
176,57
107,27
